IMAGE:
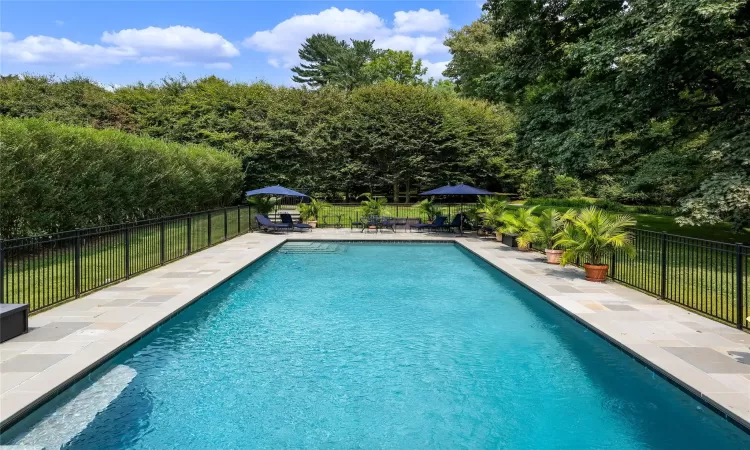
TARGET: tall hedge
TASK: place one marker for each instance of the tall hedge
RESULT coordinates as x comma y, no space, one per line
56,177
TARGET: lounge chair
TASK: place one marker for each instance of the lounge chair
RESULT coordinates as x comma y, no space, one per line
437,224
264,223
455,224
287,219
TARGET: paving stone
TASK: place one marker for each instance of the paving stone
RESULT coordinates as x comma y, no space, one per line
30,363
708,360
565,288
122,302
51,332
619,307
157,298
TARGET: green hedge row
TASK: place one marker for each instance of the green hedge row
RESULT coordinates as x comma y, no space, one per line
57,177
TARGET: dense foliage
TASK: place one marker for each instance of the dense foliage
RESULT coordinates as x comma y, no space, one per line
328,61
644,101
379,138
58,177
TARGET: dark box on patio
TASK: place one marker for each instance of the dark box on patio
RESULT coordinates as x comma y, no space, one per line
14,320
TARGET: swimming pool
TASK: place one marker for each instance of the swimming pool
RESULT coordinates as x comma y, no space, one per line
376,346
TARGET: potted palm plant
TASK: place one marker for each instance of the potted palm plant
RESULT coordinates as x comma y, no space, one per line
492,210
518,228
372,206
263,205
544,232
309,212
593,235
428,208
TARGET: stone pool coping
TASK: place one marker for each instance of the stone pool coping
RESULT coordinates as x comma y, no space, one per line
703,357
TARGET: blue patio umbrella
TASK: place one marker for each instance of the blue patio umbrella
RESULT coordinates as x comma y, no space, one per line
459,189
275,190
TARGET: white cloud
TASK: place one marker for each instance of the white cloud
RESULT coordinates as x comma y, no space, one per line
176,45
45,49
435,70
420,46
422,20
284,40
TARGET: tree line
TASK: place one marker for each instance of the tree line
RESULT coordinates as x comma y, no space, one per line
386,137
643,101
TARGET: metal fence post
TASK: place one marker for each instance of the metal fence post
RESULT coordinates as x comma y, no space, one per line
127,251
209,229
249,218
239,220
2,272
740,289
225,224
612,265
162,246
663,264
77,264
189,237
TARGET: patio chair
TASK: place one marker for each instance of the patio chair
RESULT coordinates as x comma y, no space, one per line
437,224
287,219
264,223
456,222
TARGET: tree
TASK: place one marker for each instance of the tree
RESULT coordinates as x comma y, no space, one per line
333,62
347,68
398,66
474,49
320,51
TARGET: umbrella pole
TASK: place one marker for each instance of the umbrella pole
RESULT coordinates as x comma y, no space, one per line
461,223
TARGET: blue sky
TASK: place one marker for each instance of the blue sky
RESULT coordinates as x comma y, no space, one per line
117,43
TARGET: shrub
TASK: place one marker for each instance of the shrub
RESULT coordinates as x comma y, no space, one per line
566,187
593,235
534,183
59,177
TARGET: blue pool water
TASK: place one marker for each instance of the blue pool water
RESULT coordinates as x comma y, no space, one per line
374,346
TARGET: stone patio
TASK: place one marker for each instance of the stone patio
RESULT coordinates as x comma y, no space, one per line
709,359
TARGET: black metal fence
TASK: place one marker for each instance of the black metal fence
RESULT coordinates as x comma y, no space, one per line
45,270
343,214
706,276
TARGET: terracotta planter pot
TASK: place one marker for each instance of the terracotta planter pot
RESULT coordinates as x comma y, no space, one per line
313,223
597,273
499,236
524,248
553,255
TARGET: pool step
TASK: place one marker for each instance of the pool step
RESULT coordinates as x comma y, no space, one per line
311,247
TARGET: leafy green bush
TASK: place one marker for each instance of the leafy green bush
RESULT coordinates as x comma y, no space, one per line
566,187
59,177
